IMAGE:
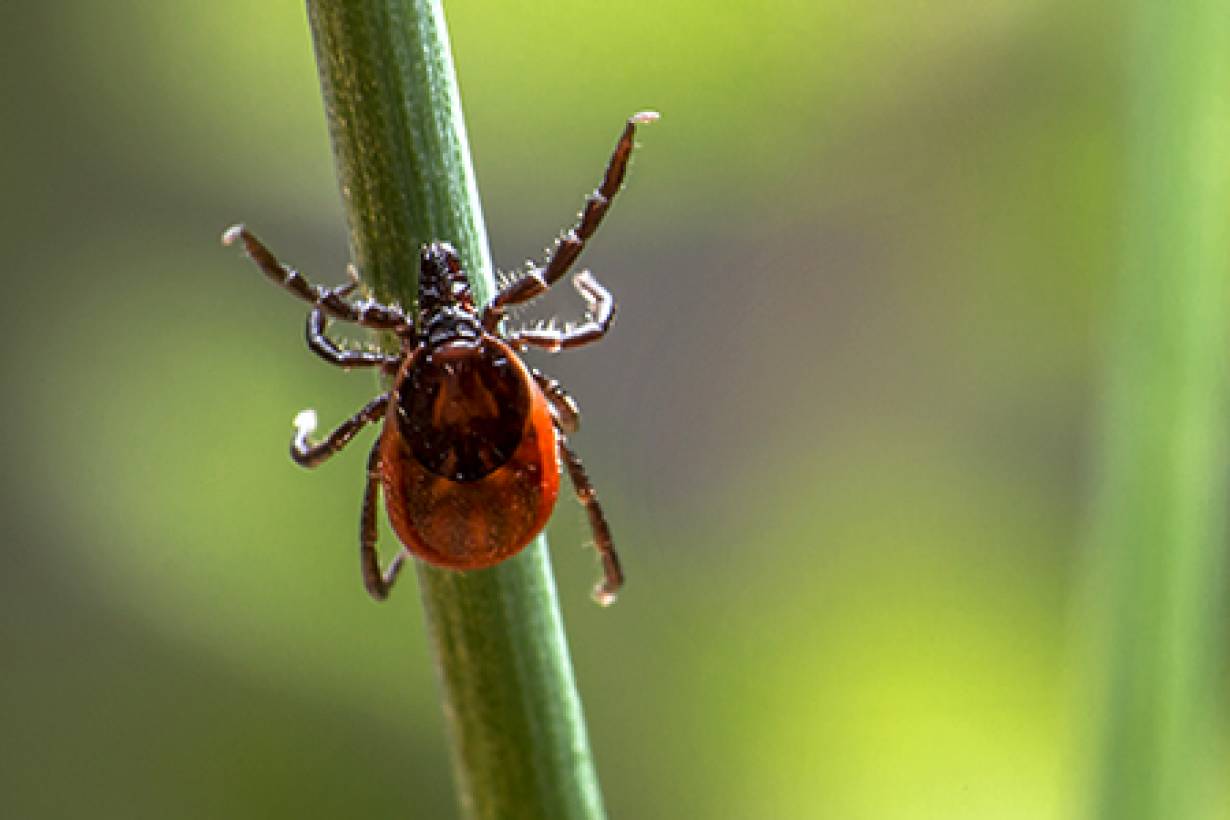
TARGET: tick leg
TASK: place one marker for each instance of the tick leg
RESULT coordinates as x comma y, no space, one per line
568,247
307,454
613,576
378,583
331,352
598,320
324,347
567,414
331,301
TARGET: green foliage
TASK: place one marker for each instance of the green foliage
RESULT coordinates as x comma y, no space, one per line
1161,518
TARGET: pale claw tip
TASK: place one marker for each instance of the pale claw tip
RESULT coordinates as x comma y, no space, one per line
232,234
604,596
305,422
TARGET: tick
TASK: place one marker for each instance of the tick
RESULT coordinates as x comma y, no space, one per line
470,453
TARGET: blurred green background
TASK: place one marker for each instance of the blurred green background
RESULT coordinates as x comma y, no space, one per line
844,426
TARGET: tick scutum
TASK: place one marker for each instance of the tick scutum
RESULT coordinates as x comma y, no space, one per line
463,408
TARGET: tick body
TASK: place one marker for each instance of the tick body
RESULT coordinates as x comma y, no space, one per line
469,457
473,441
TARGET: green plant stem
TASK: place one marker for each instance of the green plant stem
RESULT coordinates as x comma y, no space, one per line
510,702
1160,520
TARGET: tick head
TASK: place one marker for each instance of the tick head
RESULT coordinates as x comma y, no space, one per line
442,282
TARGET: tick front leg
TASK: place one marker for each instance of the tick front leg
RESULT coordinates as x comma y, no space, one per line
598,320
306,454
596,204
378,583
613,576
569,246
332,301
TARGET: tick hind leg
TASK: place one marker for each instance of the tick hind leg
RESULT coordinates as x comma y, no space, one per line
613,576
570,245
568,420
378,583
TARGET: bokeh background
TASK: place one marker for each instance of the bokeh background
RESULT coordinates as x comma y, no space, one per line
844,426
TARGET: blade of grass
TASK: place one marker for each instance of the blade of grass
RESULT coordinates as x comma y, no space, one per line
1159,520
510,702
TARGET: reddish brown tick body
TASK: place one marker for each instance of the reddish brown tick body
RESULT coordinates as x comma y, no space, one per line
470,462
473,441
